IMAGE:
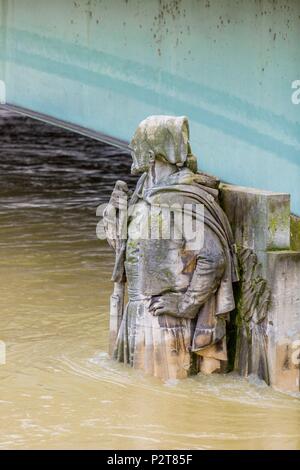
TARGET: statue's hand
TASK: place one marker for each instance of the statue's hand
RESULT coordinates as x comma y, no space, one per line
174,304
119,196
109,226
111,214
166,304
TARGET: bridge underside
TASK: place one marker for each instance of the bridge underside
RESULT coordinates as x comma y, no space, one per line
102,66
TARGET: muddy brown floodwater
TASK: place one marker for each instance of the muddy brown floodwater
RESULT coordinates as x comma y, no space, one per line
58,388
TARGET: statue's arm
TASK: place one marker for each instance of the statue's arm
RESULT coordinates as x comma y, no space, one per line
209,269
111,214
204,283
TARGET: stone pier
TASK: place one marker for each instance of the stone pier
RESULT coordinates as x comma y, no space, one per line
268,298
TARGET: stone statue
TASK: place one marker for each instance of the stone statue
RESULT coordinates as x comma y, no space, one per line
179,294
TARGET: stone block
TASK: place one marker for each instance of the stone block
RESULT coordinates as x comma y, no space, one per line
260,219
295,233
261,222
283,325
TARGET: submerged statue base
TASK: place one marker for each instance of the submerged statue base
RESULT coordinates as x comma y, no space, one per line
179,287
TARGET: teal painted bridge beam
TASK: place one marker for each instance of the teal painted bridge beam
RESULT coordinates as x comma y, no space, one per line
105,65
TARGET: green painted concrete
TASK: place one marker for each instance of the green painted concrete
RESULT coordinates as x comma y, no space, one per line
228,65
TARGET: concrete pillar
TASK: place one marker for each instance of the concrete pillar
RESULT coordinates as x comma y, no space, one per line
283,326
260,220
261,223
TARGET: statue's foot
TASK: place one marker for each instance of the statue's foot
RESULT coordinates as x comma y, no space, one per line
209,365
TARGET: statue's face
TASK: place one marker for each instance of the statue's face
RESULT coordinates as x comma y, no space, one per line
142,157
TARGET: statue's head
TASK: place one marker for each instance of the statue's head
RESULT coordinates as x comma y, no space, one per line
163,136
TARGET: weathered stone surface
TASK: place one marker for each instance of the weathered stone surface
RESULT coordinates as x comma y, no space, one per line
283,327
179,287
260,220
261,227
295,233
179,297
252,307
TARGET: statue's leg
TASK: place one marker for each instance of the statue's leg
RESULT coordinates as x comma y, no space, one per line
172,336
213,358
208,365
157,345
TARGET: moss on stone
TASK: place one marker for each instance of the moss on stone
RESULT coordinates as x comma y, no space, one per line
295,233
278,220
